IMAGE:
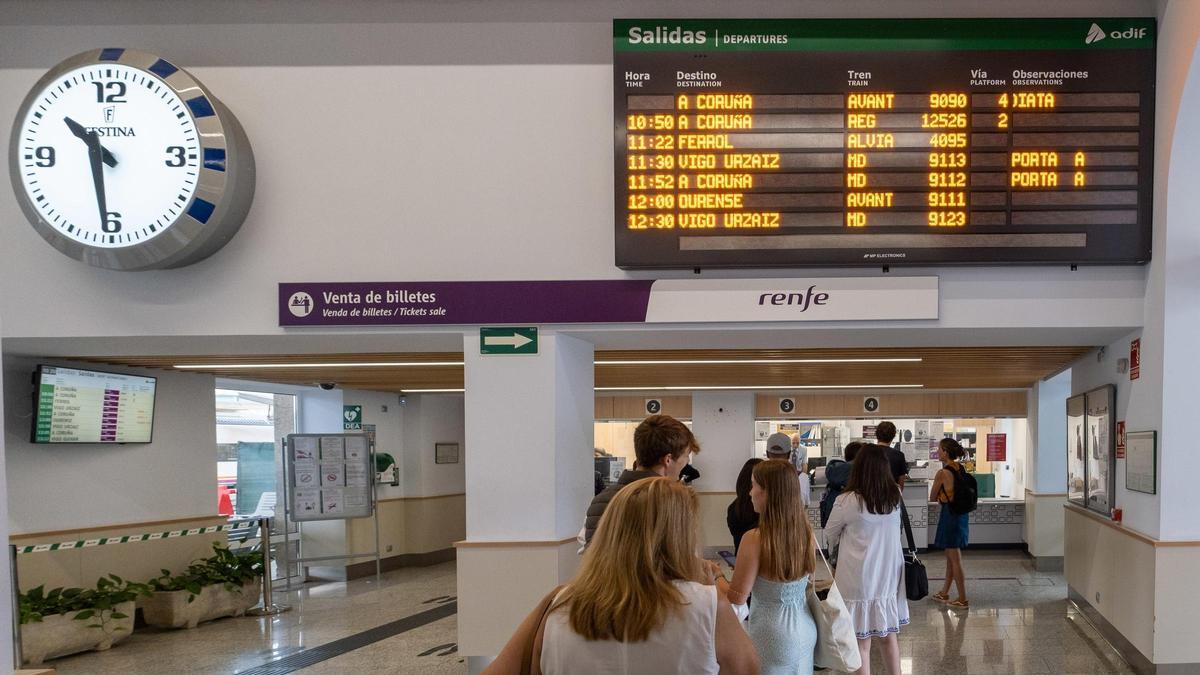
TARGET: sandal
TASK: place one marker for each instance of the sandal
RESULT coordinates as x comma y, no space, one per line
940,597
959,604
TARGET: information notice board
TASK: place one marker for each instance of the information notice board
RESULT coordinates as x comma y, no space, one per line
755,143
330,477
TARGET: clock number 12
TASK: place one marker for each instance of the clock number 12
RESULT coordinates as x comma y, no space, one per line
116,92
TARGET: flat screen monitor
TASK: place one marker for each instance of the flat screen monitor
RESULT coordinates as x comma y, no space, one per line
87,406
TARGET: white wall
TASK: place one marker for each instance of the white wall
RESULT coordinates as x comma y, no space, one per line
724,424
6,616
64,487
1048,458
431,419
1137,405
514,113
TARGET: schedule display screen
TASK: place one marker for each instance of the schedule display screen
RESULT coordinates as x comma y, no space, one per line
86,406
756,143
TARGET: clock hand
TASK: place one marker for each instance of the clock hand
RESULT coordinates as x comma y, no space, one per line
95,159
77,129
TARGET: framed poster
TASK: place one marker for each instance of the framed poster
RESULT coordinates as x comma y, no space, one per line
445,453
327,476
1100,436
1076,444
1141,461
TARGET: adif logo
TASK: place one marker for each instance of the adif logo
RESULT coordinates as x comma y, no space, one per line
1095,34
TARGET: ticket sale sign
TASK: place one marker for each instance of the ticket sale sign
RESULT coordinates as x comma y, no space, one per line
604,301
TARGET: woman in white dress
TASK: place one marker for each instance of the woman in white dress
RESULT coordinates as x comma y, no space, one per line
642,603
864,527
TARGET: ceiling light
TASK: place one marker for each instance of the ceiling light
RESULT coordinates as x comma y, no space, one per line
765,388
361,364
434,391
690,362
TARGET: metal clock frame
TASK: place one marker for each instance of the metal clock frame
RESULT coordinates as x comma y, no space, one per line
185,240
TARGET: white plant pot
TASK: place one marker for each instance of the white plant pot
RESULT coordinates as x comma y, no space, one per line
60,634
171,609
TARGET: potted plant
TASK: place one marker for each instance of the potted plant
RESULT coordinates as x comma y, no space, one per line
69,620
225,584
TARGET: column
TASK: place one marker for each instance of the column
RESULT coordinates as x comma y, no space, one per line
1045,481
724,424
6,590
529,436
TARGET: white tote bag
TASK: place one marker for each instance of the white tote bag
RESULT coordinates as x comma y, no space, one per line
837,646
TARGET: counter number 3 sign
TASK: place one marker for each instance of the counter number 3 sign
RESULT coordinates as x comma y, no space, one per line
124,161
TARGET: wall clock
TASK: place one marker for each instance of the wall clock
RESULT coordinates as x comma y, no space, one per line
124,161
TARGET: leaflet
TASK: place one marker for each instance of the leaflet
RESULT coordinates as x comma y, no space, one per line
304,449
332,500
332,447
333,475
356,448
307,476
308,502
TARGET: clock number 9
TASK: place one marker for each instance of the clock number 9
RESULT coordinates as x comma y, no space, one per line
177,156
45,156
115,96
112,222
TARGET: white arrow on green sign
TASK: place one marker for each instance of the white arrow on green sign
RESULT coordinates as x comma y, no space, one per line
508,340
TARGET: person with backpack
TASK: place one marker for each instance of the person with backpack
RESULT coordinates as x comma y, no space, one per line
956,491
837,474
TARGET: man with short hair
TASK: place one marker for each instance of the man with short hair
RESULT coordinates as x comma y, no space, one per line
779,446
663,446
885,433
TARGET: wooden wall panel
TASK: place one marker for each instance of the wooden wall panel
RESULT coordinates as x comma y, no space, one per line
604,408
634,407
953,404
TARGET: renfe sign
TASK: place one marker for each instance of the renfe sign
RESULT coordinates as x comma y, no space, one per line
618,301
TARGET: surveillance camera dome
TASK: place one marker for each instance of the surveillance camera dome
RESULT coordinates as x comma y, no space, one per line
327,385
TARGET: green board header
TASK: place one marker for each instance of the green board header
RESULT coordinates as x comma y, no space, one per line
845,35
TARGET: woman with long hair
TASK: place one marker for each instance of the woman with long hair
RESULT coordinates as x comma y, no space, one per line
952,528
741,516
776,561
864,526
642,601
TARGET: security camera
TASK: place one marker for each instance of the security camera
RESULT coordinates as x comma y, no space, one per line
403,399
327,386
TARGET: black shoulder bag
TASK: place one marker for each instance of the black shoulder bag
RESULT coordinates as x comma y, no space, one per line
916,580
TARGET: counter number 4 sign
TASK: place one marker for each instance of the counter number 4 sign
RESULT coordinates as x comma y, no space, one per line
870,404
508,340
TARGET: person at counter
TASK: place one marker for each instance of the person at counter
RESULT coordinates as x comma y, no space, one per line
663,446
952,528
837,476
885,433
741,516
779,446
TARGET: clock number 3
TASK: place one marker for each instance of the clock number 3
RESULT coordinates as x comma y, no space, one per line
177,157
116,92
112,222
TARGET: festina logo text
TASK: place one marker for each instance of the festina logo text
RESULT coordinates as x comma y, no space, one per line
802,300
112,131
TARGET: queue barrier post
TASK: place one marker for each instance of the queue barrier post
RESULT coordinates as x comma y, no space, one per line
269,608
18,658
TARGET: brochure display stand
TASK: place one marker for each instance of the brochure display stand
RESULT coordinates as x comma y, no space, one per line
330,477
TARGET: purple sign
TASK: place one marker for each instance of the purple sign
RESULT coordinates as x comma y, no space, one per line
463,302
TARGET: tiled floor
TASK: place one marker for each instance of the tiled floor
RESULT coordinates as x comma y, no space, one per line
1020,622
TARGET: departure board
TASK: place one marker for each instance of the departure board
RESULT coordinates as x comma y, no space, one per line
86,406
776,143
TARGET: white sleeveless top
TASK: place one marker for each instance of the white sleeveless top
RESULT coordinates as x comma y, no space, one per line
685,644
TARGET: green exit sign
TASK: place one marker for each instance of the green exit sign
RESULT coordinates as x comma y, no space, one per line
508,340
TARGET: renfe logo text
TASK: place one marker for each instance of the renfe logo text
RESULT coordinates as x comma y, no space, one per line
801,300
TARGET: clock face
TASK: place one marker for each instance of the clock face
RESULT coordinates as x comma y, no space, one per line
149,155
123,160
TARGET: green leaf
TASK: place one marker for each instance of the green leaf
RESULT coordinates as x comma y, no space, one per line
118,615
85,614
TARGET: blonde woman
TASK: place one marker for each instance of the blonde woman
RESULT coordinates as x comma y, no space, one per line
642,602
775,562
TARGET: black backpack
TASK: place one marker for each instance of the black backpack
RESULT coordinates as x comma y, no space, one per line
966,492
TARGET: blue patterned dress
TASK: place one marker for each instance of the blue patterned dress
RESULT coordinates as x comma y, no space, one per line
781,627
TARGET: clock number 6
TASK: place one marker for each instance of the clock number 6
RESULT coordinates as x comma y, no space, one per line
116,95
177,153
112,222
